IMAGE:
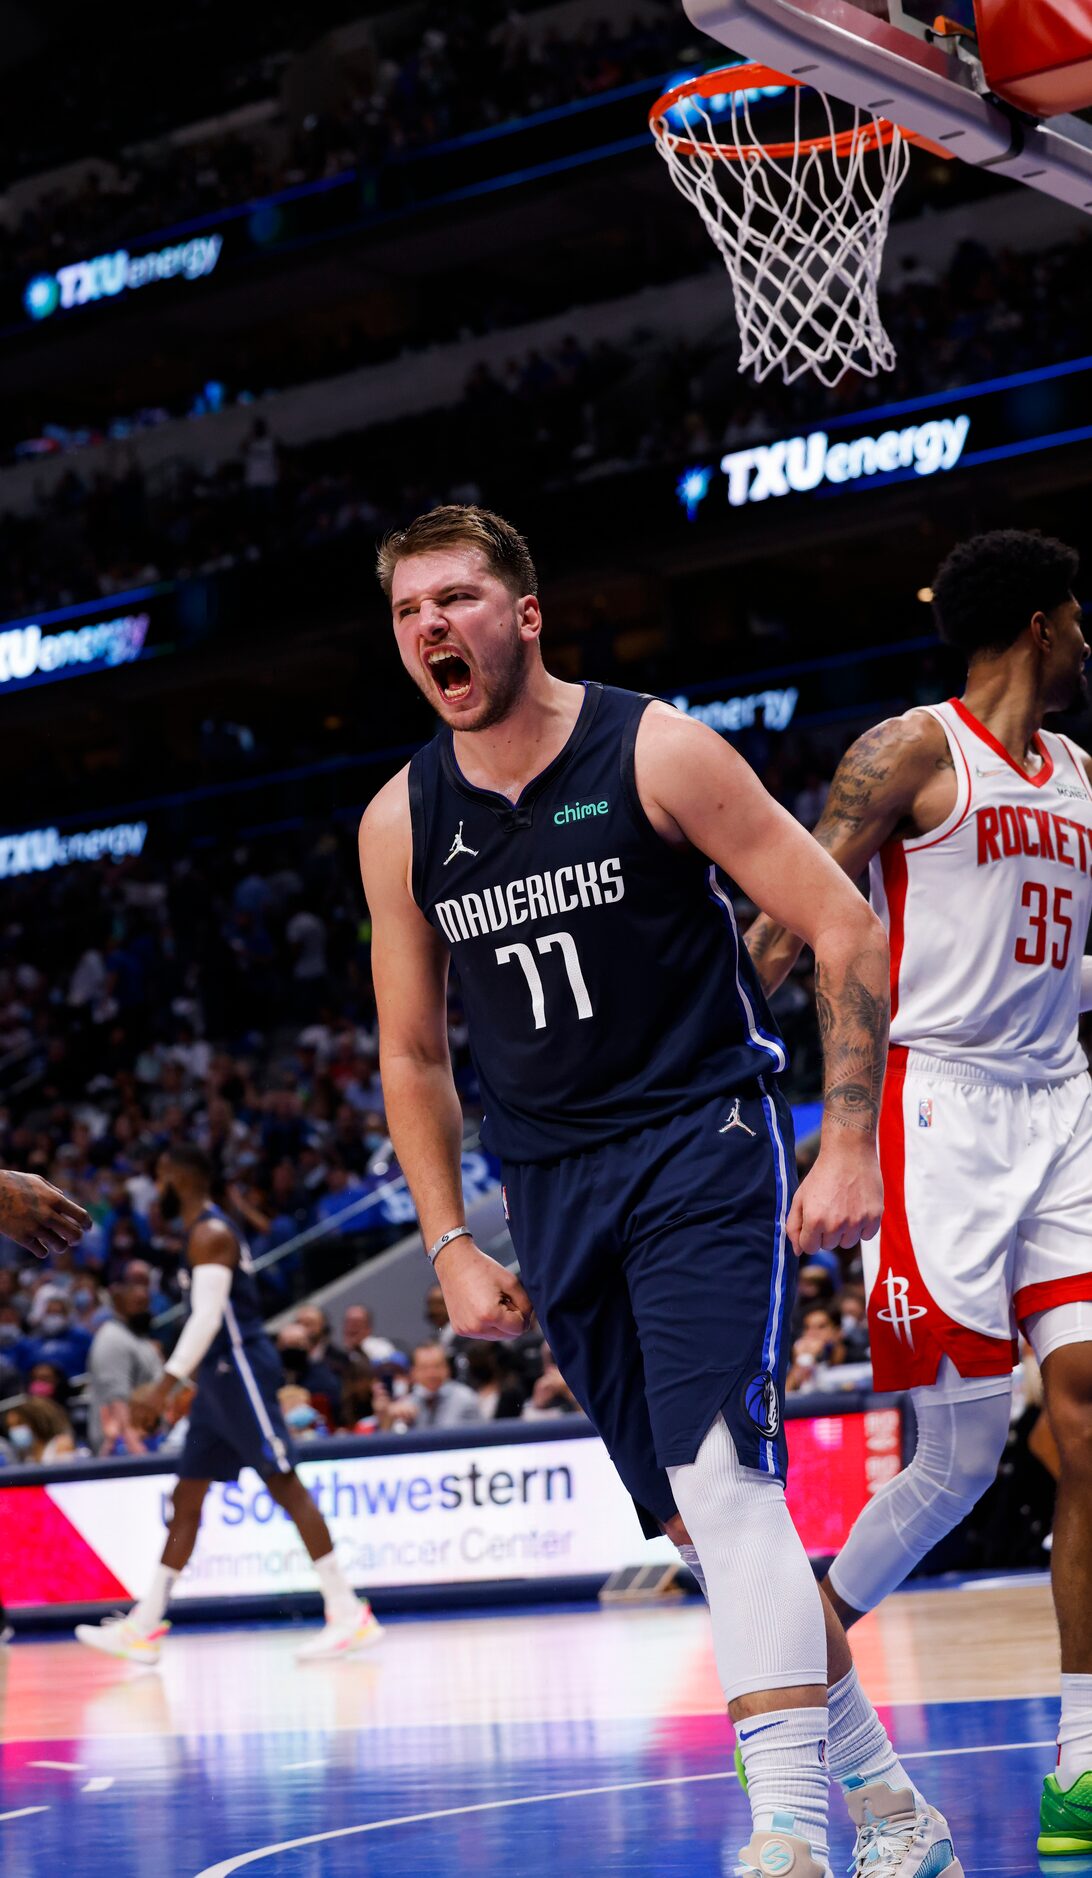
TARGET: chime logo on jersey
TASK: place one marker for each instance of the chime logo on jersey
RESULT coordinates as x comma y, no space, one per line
762,1405
900,1313
925,1112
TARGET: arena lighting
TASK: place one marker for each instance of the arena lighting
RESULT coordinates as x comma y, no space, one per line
105,276
774,708
28,655
682,115
39,850
800,464
925,594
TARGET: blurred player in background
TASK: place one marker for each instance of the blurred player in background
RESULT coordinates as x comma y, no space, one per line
976,826
235,1421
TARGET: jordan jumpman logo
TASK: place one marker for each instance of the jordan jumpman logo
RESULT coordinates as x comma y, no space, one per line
735,1120
459,846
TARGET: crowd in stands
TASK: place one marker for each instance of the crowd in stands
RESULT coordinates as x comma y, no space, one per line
78,1361
454,78
530,423
225,998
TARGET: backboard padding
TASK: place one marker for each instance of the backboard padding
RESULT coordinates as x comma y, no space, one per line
854,52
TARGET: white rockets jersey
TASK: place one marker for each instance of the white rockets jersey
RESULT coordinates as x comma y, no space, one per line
987,915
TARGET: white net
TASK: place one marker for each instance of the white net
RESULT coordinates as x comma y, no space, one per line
801,231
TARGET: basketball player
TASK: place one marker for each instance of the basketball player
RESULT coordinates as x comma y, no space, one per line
977,828
562,843
235,1422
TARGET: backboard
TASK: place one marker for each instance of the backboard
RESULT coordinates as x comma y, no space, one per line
884,56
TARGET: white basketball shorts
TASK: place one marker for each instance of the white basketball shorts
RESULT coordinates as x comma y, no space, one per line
987,1215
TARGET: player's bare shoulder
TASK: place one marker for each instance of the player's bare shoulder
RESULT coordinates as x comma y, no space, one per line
213,1243
387,816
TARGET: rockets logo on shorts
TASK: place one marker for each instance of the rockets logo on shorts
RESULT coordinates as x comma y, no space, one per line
925,1112
900,1313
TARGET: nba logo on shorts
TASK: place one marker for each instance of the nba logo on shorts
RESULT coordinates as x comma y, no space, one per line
504,1203
925,1112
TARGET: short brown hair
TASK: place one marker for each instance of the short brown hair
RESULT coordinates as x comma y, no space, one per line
461,525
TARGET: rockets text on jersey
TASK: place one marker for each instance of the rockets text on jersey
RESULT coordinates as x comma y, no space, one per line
987,914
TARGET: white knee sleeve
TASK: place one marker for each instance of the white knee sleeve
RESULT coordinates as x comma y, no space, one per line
960,1440
765,1605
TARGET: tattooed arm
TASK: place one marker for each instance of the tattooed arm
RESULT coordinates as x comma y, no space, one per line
38,1216
696,790
891,780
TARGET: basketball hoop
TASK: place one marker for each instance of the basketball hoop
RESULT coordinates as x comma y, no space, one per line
800,224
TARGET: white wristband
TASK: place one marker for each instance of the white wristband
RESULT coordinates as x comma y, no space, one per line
457,1232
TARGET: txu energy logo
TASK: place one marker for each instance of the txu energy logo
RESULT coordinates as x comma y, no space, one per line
795,465
106,276
27,655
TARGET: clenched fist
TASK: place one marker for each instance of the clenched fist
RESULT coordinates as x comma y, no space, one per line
483,1299
840,1201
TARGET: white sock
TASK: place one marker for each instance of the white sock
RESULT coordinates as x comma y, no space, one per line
784,1752
689,1556
859,1748
150,1610
338,1597
1075,1732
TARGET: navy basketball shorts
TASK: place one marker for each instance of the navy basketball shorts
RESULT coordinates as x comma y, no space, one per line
236,1419
663,1279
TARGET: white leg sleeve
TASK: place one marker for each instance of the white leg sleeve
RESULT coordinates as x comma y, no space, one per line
1062,1324
961,1436
767,1613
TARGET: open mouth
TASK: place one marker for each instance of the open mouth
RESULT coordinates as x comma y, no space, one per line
450,673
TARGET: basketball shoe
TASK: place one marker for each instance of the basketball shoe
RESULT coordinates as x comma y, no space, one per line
344,1636
899,1836
119,1636
1065,1816
779,1855
896,1841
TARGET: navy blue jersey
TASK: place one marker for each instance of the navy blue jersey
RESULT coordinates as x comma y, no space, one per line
603,976
243,1312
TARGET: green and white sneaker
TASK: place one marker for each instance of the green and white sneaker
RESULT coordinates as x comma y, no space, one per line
898,1835
1065,1817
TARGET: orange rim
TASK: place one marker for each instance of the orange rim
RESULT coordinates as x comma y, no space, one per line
735,78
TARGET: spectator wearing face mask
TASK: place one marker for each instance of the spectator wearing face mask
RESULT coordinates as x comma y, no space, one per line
551,1396
89,1309
122,1357
57,1339
854,1323
300,1412
49,1383
39,1432
301,1370
124,1243
499,1396
11,1337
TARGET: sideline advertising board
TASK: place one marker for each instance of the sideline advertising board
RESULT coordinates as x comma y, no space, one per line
537,1506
